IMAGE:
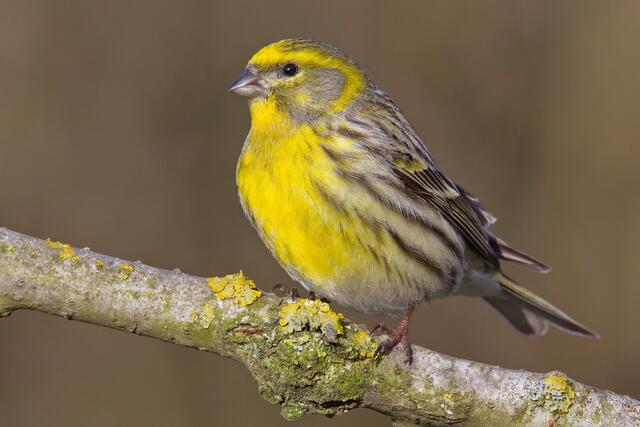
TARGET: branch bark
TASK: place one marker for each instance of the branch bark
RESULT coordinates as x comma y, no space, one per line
304,356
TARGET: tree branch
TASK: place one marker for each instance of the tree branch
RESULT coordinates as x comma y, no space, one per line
304,356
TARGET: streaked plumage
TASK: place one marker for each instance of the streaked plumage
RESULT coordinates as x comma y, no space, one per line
349,200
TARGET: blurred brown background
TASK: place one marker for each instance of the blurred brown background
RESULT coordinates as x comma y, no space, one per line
117,133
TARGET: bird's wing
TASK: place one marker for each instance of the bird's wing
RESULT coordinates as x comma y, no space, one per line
411,162
459,207
464,211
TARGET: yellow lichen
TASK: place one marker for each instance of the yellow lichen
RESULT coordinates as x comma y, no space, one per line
312,314
206,315
559,388
99,264
11,249
66,251
194,314
126,270
236,286
365,345
557,395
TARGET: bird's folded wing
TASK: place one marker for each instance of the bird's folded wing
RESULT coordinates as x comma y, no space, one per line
461,209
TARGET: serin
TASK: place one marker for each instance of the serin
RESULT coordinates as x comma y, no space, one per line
348,199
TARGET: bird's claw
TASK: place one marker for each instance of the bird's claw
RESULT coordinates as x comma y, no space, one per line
379,327
312,296
292,293
285,291
397,336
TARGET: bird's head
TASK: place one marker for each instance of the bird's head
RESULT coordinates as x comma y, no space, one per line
302,78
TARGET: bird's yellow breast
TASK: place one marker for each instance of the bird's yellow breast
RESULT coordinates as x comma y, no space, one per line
278,175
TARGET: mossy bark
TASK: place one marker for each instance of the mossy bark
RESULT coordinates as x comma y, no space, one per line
303,355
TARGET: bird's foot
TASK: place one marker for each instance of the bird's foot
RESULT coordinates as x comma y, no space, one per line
285,291
312,296
292,293
399,335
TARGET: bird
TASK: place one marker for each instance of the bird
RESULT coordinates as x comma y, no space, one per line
349,200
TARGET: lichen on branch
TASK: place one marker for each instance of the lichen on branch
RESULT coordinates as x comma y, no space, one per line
305,356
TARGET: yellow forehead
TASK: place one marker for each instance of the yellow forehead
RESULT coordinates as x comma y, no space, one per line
298,52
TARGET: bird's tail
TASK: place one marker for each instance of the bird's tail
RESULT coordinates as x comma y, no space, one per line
531,314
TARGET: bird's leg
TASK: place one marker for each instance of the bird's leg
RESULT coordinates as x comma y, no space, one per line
292,293
312,296
399,335
285,291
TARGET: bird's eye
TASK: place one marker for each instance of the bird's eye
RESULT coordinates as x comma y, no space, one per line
290,70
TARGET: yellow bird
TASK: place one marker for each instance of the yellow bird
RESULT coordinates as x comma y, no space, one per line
348,199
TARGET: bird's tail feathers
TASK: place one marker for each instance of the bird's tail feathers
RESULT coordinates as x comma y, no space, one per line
530,313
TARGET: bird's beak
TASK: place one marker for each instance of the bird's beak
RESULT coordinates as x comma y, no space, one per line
248,85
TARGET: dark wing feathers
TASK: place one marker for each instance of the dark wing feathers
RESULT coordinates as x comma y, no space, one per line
466,213
484,215
462,209
440,192
508,253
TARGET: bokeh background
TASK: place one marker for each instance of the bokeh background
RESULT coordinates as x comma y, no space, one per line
117,133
